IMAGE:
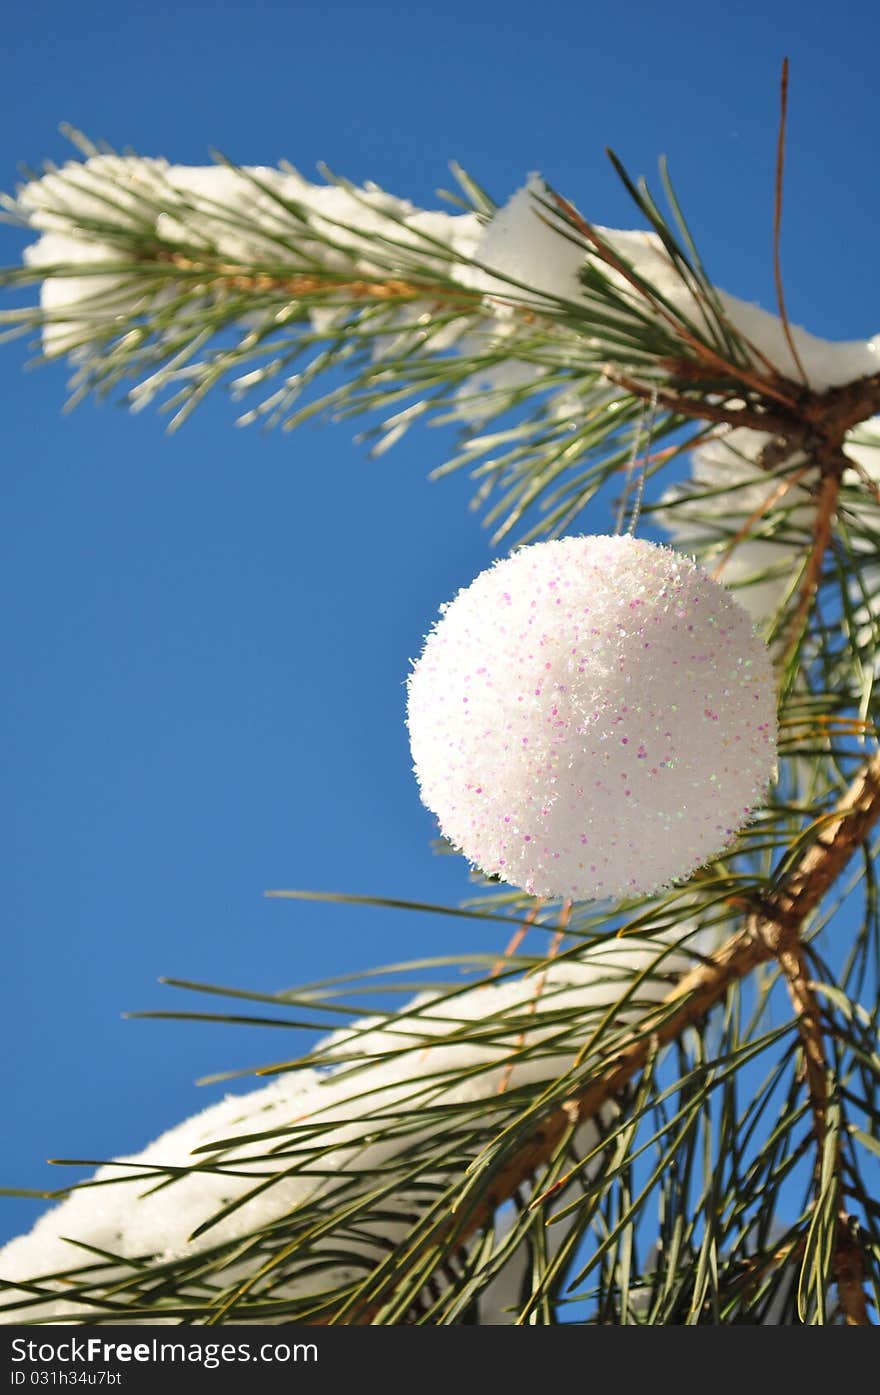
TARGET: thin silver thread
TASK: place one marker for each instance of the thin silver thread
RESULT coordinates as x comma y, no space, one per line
643,471
637,479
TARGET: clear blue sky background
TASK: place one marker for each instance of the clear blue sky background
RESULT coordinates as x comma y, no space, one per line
205,637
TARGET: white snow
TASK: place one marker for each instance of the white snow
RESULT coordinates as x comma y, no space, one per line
827,363
132,1220
522,246
727,488
249,218
260,216
522,243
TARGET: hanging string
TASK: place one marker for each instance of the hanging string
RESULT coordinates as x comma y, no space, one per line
636,478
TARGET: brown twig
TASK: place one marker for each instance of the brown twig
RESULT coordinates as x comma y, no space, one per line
517,938
757,514
793,963
871,485
697,408
825,858
777,222
754,1270
766,386
848,1266
767,934
849,1274
823,525
236,278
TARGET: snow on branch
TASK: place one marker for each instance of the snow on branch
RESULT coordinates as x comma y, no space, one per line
386,1092
175,278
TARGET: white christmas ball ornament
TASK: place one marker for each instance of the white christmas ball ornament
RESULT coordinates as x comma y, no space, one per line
592,717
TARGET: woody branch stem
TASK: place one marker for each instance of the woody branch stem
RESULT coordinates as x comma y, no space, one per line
767,934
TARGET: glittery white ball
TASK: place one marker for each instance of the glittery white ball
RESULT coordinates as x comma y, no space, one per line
592,717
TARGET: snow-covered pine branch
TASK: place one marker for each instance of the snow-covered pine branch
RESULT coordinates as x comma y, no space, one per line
750,522
259,216
362,1131
556,345
174,278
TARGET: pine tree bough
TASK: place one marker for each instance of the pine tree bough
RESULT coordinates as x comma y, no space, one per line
815,424
814,421
826,506
238,278
571,337
771,931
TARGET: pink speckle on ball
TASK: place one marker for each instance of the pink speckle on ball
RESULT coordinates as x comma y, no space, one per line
574,655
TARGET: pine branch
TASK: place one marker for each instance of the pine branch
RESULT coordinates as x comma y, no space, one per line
847,1263
424,314
826,508
769,933
702,358
177,290
702,409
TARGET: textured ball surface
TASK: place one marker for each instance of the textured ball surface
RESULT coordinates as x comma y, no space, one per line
592,717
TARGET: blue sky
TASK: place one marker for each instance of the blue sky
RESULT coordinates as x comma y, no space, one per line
206,636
